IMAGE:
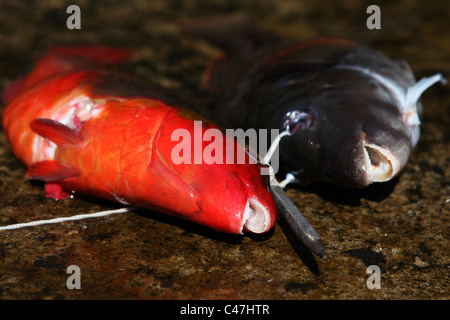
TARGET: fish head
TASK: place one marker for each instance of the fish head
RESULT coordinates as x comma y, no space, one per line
214,182
260,210
235,194
345,138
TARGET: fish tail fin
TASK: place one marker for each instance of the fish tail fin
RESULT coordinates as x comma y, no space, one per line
60,59
232,33
238,38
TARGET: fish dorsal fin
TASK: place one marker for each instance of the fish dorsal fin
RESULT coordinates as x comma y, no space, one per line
55,131
50,171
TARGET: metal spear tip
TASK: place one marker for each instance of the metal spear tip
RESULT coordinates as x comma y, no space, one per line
299,225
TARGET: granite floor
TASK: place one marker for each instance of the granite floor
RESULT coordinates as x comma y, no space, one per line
401,226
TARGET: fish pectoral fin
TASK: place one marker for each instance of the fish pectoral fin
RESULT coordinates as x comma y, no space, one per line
55,131
50,171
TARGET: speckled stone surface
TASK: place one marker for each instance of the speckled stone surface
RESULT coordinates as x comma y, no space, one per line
401,226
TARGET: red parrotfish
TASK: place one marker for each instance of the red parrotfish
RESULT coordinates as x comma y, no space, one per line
83,128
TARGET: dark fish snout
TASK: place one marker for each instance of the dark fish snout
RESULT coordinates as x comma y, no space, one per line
374,160
364,158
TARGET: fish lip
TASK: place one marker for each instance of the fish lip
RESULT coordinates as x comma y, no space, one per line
381,164
256,217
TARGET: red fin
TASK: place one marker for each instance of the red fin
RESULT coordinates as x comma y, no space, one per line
55,131
55,191
50,171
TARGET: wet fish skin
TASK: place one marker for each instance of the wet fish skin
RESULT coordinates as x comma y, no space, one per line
349,109
361,126
82,127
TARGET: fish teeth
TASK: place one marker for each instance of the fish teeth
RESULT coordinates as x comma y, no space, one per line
256,217
381,165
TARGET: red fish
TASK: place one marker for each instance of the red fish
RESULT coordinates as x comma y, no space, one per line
83,128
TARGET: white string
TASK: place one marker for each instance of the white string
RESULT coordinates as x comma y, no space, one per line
63,219
266,159
274,146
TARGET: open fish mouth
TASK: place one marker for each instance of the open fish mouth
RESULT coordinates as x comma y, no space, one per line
256,217
381,165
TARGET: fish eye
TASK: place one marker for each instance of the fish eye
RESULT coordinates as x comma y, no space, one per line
297,120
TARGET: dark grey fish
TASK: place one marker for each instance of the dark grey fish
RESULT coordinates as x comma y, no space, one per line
353,113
